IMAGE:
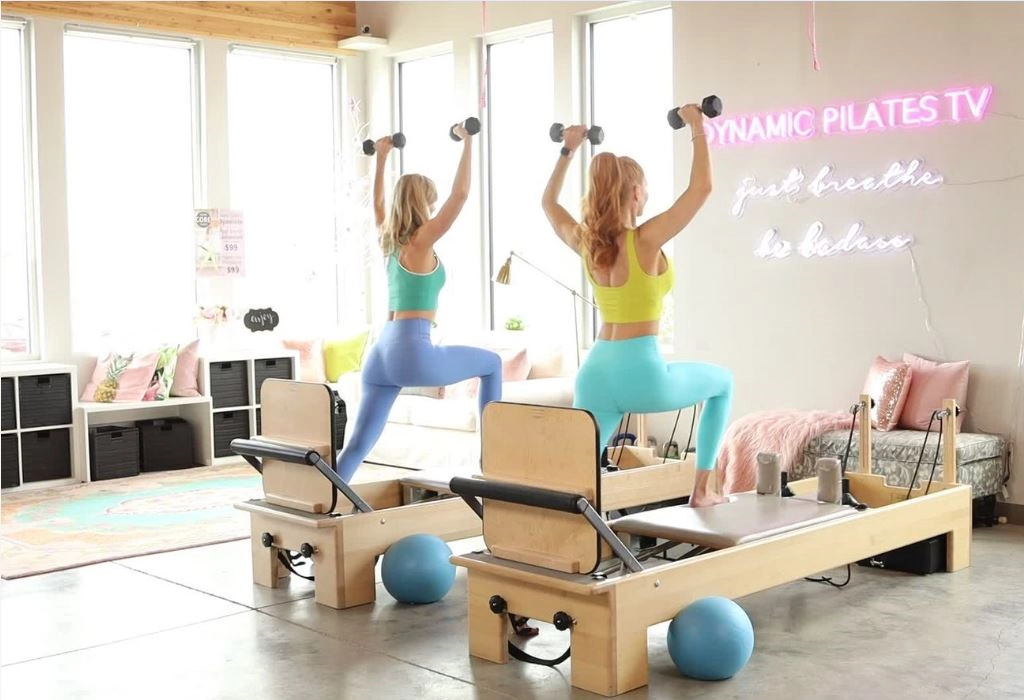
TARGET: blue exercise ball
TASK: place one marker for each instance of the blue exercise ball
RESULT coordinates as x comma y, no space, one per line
415,569
711,639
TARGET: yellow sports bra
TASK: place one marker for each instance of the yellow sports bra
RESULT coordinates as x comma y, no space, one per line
640,298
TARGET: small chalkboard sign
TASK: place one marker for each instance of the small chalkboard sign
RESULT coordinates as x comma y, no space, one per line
261,319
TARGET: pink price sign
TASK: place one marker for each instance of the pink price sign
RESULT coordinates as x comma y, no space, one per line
220,243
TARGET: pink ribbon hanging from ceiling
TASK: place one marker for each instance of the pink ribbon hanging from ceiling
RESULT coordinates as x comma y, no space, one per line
813,37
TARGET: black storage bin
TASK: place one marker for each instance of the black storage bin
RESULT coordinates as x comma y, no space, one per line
9,475
229,385
228,425
165,443
276,367
45,399
46,454
7,420
113,451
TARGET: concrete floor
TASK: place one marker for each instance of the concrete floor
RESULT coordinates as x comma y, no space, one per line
190,625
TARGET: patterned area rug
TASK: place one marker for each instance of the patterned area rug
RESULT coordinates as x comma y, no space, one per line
68,526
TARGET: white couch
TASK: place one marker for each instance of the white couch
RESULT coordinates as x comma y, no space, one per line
426,432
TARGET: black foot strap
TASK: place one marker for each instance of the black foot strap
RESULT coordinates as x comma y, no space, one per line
522,630
520,655
286,560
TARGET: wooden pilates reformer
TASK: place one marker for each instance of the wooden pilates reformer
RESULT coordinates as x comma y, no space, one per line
301,510
549,557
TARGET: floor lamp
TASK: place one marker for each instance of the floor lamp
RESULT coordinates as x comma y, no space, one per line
504,276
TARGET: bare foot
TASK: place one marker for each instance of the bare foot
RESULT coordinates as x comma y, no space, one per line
707,499
703,495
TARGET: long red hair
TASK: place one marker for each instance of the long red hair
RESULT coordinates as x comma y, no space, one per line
606,206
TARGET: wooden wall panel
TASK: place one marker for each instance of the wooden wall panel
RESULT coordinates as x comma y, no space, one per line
299,25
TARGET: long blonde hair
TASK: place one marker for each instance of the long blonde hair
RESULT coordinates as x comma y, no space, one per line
410,209
605,206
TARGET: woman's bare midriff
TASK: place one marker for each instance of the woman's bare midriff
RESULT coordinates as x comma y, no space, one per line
399,315
625,331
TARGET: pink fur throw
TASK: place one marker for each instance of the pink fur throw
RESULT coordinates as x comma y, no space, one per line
784,431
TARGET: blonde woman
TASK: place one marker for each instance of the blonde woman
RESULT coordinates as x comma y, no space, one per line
624,371
404,355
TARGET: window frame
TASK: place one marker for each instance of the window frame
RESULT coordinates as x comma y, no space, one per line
197,111
398,165
424,52
197,84
30,153
341,151
484,45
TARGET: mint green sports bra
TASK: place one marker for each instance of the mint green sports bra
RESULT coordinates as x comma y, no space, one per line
413,291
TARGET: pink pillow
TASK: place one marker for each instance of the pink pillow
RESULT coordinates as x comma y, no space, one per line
933,382
888,383
186,372
515,367
133,376
311,359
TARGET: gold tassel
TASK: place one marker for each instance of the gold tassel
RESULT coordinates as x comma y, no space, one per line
505,273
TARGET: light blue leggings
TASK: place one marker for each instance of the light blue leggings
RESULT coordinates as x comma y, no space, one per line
630,376
405,356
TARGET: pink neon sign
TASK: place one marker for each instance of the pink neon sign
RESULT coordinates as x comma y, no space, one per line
882,114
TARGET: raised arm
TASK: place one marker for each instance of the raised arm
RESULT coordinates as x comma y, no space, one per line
561,220
382,147
430,232
660,229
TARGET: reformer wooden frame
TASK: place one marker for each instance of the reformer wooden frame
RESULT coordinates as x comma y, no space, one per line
298,498
612,613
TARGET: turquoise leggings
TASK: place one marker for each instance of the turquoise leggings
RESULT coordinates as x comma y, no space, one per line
630,376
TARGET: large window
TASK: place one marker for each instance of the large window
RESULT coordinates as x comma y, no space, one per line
631,91
283,138
131,149
520,112
19,338
427,109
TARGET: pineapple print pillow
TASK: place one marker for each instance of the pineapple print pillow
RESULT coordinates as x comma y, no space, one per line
121,378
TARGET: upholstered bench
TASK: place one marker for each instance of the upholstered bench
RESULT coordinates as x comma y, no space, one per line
981,460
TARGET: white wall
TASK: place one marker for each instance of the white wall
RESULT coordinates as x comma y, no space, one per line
801,333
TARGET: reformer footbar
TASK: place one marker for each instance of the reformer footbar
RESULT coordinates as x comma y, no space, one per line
253,450
548,499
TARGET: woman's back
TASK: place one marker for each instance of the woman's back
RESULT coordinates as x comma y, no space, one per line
629,292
